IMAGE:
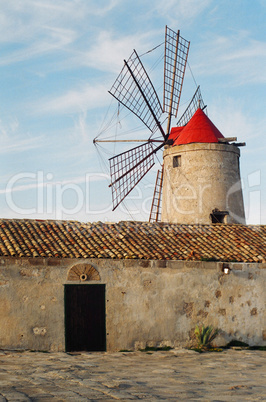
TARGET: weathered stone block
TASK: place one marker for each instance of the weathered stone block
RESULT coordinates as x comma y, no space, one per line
36,261
237,266
161,263
193,264
144,263
210,265
54,261
172,264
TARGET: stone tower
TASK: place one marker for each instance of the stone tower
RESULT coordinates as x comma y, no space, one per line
201,176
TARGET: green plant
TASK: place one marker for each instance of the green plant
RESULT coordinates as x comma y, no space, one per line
205,336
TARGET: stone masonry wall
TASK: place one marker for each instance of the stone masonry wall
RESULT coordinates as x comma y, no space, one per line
208,178
148,303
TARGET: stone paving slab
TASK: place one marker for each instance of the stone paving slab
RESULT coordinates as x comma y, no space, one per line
176,375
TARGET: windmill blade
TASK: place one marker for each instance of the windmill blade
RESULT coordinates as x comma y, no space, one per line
133,88
155,214
175,60
195,103
128,168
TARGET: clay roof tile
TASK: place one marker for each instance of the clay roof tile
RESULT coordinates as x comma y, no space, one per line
142,240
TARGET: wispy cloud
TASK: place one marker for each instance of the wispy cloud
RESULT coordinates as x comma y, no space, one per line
55,39
49,26
74,101
236,55
232,121
13,141
182,10
108,51
102,9
20,145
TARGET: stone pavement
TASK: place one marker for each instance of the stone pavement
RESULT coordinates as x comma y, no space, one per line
177,375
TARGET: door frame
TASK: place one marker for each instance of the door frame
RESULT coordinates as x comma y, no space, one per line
66,285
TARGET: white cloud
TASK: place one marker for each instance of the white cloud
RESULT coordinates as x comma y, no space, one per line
81,127
182,9
238,56
17,145
108,52
13,141
38,27
231,119
75,101
102,9
24,20
55,39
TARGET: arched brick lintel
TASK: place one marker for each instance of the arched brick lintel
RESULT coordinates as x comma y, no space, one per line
83,272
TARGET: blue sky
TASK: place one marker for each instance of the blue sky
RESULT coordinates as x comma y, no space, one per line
59,58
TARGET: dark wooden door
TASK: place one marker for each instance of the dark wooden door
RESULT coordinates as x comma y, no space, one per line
85,318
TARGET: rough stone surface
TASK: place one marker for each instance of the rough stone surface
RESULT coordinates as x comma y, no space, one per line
144,305
207,178
177,375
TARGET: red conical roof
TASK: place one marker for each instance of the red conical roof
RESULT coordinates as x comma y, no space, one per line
199,129
175,132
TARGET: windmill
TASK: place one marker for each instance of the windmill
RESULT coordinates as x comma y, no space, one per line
133,89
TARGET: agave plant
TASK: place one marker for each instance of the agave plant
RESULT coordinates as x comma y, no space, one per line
205,336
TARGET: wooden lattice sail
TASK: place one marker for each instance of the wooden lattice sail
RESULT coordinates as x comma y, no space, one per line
195,103
133,89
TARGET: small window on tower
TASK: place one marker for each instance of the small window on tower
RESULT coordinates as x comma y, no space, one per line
177,161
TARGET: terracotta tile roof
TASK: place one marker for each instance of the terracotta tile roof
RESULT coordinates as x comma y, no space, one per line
143,240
